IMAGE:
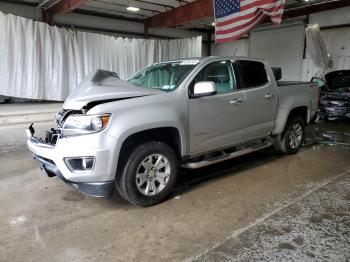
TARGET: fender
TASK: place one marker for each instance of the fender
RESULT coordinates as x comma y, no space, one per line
285,107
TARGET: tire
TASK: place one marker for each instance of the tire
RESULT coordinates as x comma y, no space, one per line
144,181
292,137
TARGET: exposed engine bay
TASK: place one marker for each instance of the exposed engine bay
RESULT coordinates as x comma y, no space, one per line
335,95
53,134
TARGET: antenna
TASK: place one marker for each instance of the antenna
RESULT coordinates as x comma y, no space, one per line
234,53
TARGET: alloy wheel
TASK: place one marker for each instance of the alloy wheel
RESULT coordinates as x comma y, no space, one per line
295,136
152,174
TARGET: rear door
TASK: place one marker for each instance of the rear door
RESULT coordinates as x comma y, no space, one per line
258,111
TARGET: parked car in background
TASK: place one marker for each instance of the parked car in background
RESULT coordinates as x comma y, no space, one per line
335,95
133,135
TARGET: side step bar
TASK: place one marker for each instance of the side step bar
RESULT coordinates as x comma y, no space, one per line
226,156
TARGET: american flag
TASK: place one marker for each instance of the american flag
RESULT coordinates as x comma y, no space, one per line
235,18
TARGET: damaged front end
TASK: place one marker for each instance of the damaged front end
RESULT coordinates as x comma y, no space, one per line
52,135
73,160
77,150
334,106
335,96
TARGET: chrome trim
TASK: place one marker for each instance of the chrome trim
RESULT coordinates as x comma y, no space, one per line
66,161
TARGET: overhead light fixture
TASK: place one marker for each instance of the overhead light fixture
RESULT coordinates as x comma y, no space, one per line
306,0
133,9
213,23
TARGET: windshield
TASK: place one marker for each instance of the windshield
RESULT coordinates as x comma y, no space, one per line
165,76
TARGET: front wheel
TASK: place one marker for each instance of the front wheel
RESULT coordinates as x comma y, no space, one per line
293,136
149,174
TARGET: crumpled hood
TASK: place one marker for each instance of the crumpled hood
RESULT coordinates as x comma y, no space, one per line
104,86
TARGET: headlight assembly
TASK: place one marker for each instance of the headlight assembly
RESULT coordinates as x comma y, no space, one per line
84,124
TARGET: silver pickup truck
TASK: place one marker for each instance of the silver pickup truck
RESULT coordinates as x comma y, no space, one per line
134,135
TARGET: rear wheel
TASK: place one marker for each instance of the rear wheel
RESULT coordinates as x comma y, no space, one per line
293,136
149,175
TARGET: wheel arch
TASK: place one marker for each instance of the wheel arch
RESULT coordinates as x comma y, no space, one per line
284,115
167,134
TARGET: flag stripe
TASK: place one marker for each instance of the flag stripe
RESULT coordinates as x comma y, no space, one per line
241,33
239,20
238,17
239,29
247,6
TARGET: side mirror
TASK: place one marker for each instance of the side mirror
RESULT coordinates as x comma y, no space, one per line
277,72
318,81
204,88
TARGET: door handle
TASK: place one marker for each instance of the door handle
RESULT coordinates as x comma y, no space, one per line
236,101
268,95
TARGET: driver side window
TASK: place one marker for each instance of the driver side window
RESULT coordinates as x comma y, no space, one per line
221,74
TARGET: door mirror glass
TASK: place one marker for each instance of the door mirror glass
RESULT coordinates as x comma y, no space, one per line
204,88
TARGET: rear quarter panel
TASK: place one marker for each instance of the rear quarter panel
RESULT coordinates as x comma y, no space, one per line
293,95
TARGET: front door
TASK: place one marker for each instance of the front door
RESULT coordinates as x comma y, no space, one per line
214,120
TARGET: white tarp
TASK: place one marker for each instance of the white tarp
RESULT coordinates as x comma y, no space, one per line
317,48
38,61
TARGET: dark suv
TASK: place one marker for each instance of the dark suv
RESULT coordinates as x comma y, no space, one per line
335,95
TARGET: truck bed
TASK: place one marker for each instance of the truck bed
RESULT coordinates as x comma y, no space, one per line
290,83
296,93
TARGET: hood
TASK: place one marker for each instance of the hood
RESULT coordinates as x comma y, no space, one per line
338,80
104,86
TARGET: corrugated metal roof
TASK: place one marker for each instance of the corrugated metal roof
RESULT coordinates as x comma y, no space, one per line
148,8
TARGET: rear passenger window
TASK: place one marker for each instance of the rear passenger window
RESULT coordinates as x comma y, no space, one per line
253,73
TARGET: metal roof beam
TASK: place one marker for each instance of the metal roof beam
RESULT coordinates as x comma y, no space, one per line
314,8
123,5
204,9
181,15
156,4
64,6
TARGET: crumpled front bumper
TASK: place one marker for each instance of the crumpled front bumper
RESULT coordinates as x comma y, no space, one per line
96,189
97,182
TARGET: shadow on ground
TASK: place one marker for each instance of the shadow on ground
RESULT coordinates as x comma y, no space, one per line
335,133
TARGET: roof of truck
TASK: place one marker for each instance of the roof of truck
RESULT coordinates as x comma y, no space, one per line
209,58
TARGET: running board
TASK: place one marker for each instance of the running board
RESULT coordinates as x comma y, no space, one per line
227,156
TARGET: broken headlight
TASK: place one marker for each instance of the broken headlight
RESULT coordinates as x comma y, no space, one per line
84,124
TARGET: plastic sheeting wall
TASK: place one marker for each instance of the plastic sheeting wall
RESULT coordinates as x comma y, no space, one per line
337,42
43,62
238,47
280,46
